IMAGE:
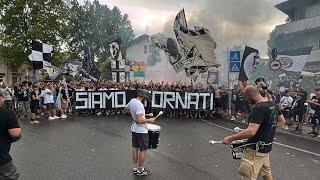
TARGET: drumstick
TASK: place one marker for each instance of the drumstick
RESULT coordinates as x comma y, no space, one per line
212,142
160,113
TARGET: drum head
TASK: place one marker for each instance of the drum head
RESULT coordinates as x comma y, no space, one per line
153,127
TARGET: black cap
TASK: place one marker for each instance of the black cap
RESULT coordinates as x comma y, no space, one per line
143,93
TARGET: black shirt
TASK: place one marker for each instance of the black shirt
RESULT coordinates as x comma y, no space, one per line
64,94
266,114
23,95
8,121
34,102
298,107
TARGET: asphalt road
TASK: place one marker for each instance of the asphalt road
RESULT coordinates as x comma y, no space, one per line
98,148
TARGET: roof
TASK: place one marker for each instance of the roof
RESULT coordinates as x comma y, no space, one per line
138,39
289,5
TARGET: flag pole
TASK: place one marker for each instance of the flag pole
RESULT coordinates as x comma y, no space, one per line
229,91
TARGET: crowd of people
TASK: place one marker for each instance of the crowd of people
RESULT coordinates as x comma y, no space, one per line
57,100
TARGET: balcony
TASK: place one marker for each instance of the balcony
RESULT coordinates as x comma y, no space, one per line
298,26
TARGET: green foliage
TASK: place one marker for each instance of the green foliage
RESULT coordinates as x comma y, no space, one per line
70,27
93,26
22,21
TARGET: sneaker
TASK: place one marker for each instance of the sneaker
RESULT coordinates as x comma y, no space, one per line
51,118
286,127
32,122
311,133
64,116
56,117
36,122
135,170
144,172
99,113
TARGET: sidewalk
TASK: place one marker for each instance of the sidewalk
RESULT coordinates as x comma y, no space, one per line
305,129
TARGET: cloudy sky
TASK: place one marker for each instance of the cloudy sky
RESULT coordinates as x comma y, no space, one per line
232,22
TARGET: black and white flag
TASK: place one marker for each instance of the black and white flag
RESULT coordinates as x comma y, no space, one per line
197,45
250,61
193,49
89,68
294,60
41,54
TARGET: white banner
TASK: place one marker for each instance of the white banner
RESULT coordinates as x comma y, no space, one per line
293,63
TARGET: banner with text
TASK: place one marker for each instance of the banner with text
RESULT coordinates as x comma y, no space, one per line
113,99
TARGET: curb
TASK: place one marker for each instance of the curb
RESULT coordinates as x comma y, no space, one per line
305,137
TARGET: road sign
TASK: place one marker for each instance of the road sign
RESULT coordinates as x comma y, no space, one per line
234,56
275,65
234,66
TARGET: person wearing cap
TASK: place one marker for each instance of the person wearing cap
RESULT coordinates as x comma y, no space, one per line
140,137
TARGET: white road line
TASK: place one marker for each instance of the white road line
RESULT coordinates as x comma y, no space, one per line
280,144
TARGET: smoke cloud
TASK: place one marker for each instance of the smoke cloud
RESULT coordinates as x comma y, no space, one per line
234,22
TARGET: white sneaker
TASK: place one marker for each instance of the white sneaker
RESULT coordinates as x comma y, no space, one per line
99,113
51,118
64,116
37,122
286,127
32,122
56,117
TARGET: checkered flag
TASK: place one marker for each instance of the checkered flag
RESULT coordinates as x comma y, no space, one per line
41,53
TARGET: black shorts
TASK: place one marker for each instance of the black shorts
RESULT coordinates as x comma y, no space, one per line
34,107
315,121
298,118
140,141
240,107
49,106
217,102
286,113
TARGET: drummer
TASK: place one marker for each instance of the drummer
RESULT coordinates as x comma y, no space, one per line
140,138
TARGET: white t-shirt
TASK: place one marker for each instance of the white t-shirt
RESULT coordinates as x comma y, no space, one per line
48,96
286,100
136,107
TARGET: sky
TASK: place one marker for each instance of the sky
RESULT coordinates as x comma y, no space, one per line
232,22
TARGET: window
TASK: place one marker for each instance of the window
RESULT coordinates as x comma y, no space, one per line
300,42
313,40
300,13
145,49
313,10
1,79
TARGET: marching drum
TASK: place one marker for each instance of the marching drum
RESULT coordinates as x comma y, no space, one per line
237,148
154,133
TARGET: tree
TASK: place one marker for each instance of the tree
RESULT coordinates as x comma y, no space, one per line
22,21
93,26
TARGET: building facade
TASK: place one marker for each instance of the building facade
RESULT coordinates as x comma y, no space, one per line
302,29
23,74
153,62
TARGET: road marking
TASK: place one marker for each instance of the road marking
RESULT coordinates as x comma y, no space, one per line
277,143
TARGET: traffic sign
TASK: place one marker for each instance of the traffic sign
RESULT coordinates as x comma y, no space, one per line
234,56
275,65
234,66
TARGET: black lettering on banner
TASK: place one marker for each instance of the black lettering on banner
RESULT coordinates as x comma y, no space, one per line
159,100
